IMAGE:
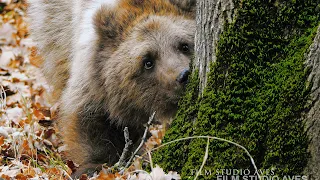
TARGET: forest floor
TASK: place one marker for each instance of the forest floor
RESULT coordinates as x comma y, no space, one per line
30,147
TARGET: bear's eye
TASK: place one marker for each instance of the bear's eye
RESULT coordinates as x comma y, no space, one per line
184,47
148,63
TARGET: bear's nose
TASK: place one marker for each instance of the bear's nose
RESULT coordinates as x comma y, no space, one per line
183,76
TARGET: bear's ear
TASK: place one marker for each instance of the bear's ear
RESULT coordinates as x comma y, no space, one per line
107,24
185,5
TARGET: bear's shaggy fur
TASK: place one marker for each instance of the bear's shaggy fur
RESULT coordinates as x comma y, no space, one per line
112,63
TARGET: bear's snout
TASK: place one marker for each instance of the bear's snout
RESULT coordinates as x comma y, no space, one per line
183,76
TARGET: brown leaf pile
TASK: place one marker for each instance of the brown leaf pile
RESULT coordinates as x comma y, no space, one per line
28,141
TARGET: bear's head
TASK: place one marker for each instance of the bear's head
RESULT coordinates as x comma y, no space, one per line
145,48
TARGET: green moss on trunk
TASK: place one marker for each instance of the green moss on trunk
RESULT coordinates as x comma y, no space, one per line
255,95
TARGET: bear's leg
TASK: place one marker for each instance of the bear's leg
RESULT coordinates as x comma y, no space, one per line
93,140
77,149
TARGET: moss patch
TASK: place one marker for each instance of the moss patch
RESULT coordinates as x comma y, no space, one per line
255,96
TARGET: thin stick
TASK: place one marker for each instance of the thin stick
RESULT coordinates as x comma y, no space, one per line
204,159
2,98
126,149
150,158
216,138
142,141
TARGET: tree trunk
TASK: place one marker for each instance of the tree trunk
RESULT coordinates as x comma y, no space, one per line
255,82
313,116
211,16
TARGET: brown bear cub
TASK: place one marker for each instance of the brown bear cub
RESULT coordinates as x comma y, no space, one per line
112,63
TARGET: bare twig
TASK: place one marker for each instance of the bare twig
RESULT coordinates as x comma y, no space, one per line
150,159
216,138
204,159
143,139
126,148
2,98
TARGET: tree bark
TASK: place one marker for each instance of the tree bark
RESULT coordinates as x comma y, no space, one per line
211,15
313,116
